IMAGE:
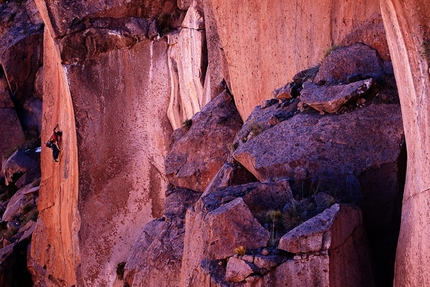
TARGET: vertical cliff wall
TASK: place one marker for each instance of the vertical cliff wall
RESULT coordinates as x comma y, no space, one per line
109,93
267,42
55,246
116,95
408,33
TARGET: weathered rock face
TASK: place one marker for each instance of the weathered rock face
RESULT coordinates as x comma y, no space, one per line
101,44
216,213
212,130
21,36
71,15
156,256
104,103
187,78
408,38
298,36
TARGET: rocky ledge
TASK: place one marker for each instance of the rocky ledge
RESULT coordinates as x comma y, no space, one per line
306,184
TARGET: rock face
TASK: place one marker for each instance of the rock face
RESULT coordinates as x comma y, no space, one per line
187,78
118,180
118,77
155,258
21,57
407,35
255,68
212,130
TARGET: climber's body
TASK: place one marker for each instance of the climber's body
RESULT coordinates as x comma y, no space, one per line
54,143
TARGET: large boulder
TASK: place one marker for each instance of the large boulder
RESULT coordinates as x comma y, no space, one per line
345,61
212,130
330,149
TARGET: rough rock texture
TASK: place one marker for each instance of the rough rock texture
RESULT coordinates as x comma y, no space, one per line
68,16
201,228
106,107
11,131
187,67
327,230
307,145
18,202
156,255
298,36
21,35
264,43
20,163
331,98
345,61
238,227
408,33
237,270
212,130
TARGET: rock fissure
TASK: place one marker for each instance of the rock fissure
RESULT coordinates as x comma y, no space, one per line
415,195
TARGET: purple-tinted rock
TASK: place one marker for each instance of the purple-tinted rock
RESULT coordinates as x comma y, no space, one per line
330,99
345,61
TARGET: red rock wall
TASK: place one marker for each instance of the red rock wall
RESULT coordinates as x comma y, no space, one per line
55,244
408,33
267,42
109,182
112,108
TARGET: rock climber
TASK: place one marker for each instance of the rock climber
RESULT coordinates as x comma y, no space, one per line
54,143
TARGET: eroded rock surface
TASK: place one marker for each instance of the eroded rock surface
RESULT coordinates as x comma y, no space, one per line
345,61
211,130
156,256
331,98
327,230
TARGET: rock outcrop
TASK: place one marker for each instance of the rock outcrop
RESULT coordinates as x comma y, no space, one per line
408,40
18,211
21,36
156,255
298,36
119,77
212,131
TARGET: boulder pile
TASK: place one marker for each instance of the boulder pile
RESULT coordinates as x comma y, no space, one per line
308,186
